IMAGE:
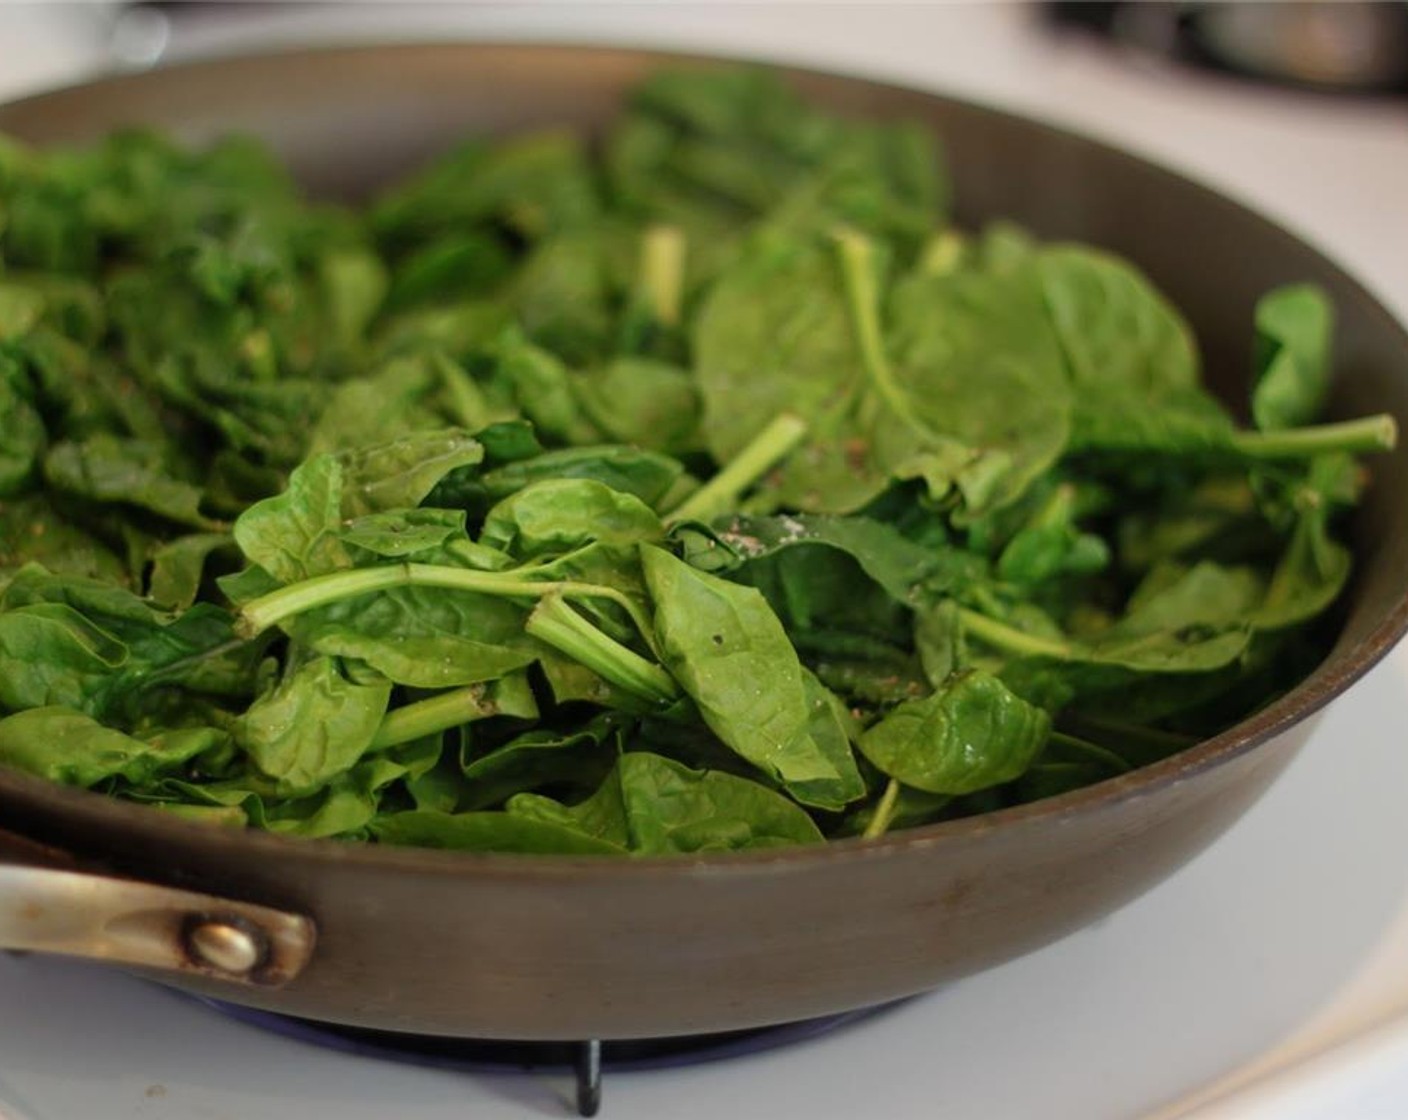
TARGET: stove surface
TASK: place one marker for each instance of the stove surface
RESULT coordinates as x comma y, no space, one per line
1267,979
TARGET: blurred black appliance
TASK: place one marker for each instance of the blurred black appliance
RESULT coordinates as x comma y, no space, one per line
1342,46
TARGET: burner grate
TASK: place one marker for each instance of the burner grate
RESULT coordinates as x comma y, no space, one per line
587,1059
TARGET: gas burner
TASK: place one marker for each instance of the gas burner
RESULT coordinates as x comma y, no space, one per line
587,1058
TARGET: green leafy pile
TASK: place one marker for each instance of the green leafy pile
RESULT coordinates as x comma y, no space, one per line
705,491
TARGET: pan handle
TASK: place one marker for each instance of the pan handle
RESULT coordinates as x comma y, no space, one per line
125,921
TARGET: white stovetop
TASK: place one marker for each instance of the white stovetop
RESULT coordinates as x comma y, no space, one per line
1265,981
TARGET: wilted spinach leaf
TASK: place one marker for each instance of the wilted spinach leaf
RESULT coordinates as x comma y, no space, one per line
1131,358
970,734
730,654
487,832
69,747
313,725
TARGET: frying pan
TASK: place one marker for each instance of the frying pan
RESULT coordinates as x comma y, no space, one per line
551,947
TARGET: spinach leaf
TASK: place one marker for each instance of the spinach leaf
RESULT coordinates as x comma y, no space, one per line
604,815
66,746
671,808
979,365
24,438
774,336
543,389
1186,636
900,566
1183,627
644,402
468,264
92,646
1293,329
730,654
562,296
106,469
629,470
821,591
402,472
1052,545
21,307
409,393
354,283
1129,354
1315,567
293,535
486,832
832,729
313,725
299,533
422,636
539,759
178,568
555,515
938,640
656,806
342,808
971,734
402,533
532,185
462,329
33,531
712,147
1205,594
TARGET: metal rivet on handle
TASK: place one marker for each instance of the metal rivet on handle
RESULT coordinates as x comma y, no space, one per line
226,946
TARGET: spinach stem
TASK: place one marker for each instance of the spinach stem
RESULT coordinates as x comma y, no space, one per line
436,713
662,272
259,614
1010,639
1138,745
1370,433
884,812
1173,740
1094,750
1057,509
942,253
720,494
555,622
858,272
